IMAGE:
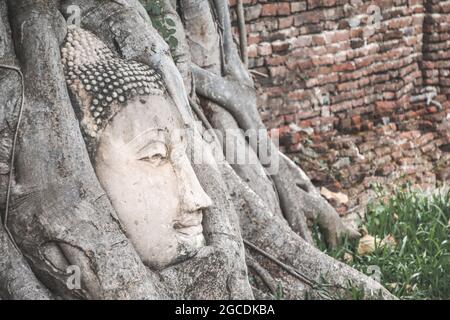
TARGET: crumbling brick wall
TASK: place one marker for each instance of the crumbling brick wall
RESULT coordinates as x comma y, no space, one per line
357,89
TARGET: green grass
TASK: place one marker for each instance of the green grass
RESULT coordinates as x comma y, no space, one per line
418,266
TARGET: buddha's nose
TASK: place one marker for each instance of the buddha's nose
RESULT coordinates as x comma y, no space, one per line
194,198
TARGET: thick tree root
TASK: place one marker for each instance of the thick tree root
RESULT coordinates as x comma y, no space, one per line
298,197
17,281
271,233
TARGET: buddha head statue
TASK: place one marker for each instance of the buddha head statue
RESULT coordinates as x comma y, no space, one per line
135,138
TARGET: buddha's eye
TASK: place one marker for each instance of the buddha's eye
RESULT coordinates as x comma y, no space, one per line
154,158
155,154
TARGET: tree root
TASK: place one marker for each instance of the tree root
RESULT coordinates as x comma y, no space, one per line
242,32
13,153
265,276
271,233
241,104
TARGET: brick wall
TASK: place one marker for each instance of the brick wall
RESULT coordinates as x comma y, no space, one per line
346,84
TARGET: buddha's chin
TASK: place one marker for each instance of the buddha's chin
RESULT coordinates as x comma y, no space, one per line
187,247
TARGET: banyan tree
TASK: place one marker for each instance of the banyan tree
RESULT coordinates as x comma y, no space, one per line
133,156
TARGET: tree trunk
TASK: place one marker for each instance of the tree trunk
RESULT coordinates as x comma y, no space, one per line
59,216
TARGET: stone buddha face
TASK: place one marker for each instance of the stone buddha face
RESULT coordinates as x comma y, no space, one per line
138,149
141,163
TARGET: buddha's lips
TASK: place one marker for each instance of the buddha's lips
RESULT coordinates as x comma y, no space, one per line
189,225
188,220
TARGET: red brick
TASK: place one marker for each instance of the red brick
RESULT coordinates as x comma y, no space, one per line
349,66
285,22
356,120
253,38
264,49
252,51
337,36
269,10
385,107
277,71
284,9
298,6
323,60
280,45
276,60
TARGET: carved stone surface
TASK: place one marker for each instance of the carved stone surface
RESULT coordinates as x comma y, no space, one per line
99,76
